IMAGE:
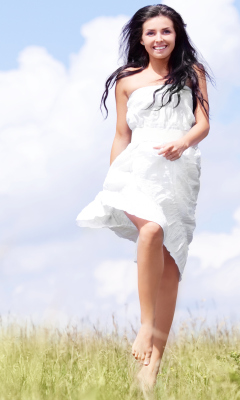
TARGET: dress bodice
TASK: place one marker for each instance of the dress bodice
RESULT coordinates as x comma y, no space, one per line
168,117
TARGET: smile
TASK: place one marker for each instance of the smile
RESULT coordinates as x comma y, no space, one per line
160,47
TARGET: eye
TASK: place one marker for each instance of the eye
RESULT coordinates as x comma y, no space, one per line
149,33
167,30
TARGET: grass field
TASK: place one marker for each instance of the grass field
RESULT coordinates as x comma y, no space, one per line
45,363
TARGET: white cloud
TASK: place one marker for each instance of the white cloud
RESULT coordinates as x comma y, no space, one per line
116,278
55,144
214,249
214,27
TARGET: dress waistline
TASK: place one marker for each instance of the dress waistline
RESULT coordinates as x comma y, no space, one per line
149,134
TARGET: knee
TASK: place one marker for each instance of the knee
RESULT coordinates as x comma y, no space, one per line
151,233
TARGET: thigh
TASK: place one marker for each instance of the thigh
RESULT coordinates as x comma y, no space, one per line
151,227
138,222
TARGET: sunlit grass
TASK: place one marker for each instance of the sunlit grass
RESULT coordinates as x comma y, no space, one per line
45,363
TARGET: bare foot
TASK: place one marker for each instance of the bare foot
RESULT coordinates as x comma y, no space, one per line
147,377
142,346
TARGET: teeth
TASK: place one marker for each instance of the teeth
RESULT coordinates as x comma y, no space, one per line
158,48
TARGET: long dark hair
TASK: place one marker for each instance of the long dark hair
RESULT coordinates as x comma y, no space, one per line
183,57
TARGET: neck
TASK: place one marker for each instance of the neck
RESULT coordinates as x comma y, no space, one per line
158,67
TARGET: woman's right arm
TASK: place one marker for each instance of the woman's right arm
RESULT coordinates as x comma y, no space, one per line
123,132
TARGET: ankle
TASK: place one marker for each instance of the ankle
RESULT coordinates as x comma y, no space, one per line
155,365
148,322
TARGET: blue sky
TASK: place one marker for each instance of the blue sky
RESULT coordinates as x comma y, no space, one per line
54,25
54,155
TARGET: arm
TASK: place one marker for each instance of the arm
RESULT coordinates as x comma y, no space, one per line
123,132
173,150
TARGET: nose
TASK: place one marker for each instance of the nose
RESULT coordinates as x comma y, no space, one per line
159,37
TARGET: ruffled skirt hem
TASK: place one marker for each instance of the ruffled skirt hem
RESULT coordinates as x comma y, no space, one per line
150,187
107,211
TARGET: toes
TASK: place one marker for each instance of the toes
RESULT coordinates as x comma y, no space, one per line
147,359
142,359
136,356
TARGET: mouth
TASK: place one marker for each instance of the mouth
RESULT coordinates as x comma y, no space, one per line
159,48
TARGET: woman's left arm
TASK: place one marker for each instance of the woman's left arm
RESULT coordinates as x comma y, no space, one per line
173,150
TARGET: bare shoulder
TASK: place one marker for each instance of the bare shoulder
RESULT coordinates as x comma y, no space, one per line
201,76
122,95
126,85
188,83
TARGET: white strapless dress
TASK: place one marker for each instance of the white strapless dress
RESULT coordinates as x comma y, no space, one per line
148,185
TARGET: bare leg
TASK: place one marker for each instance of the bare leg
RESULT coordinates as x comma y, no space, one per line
150,268
165,308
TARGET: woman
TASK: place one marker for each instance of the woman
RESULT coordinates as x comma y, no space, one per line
150,192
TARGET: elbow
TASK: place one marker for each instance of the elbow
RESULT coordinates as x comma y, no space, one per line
207,130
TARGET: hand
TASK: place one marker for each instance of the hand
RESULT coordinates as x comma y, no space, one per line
172,150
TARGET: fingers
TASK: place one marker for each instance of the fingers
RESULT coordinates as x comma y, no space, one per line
171,151
160,146
171,155
165,149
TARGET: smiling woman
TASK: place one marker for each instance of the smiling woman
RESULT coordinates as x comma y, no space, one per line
166,37
151,189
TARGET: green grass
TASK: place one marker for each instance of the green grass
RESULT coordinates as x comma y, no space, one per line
45,363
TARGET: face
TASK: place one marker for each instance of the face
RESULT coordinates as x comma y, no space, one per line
158,37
